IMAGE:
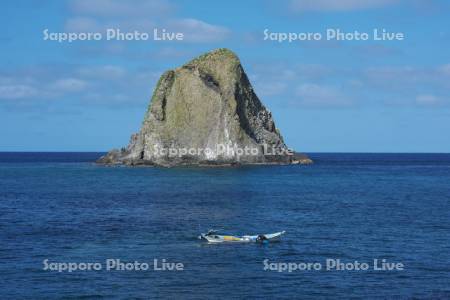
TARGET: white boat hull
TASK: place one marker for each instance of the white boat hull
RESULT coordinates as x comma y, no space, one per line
216,238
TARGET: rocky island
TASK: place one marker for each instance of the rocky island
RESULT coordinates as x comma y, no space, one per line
206,113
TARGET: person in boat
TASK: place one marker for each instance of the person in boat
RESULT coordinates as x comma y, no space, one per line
261,239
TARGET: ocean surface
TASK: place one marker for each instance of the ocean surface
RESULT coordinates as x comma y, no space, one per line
62,208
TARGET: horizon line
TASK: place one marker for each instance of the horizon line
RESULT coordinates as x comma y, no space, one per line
304,152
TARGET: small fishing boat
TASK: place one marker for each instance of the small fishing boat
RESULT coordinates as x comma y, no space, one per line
212,237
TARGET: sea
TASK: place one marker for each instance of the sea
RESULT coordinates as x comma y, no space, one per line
72,229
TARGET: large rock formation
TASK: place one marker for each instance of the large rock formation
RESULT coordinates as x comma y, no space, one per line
206,113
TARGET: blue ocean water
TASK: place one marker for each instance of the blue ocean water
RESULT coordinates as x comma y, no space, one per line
352,207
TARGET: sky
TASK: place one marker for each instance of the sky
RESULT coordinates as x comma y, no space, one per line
325,95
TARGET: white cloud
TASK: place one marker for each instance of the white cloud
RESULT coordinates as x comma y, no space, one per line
108,72
120,8
43,85
320,85
107,85
297,84
193,30
272,89
113,99
341,5
427,100
401,75
17,91
173,52
139,15
89,24
408,78
311,94
198,31
445,69
83,24
69,85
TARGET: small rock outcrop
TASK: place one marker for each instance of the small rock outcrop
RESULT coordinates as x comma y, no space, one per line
206,113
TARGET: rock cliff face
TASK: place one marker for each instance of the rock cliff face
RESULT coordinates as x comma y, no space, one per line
206,113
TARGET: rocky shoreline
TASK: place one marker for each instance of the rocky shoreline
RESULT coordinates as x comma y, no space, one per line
113,158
